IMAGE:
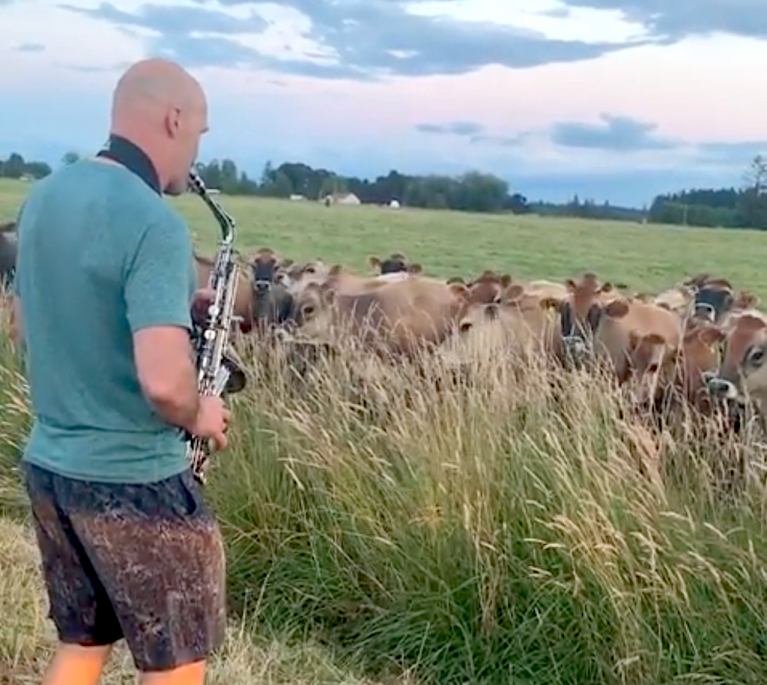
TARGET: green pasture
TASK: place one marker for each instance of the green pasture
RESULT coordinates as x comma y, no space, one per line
645,257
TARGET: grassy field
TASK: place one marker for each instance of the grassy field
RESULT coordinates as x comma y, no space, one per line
524,528
453,243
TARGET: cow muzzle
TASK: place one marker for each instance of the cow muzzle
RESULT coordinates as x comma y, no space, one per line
705,312
721,388
262,287
576,350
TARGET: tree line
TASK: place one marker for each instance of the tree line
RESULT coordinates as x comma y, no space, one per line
744,207
473,191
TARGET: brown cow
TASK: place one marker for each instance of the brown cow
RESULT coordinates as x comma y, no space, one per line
488,288
273,302
395,266
742,372
396,317
678,299
243,299
637,337
298,276
519,320
715,298
688,369
579,316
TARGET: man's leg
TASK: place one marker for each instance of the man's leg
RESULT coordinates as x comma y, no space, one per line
158,551
77,664
190,674
86,624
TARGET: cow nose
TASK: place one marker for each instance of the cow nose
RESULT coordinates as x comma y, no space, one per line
574,344
263,286
703,310
719,387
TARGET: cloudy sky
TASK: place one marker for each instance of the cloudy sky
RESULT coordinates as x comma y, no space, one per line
612,99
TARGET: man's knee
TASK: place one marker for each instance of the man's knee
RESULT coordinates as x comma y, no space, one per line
188,674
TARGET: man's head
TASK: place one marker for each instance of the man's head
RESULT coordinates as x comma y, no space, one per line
161,108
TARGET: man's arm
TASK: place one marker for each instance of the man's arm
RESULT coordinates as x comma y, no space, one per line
158,310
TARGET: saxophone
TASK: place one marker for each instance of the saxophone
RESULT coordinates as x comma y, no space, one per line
214,368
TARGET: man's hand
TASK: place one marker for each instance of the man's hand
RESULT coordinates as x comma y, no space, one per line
201,300
212,421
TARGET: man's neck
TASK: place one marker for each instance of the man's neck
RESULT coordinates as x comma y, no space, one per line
133,158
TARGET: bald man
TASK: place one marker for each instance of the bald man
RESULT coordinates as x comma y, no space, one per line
104,291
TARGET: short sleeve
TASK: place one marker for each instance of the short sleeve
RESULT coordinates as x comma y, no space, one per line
158,280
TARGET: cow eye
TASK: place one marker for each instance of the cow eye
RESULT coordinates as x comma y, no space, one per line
756,356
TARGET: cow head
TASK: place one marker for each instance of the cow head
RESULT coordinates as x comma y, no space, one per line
483,309
394,264
265,266
580,315
489,288
743,371
299,276
695,362
714,298
272,301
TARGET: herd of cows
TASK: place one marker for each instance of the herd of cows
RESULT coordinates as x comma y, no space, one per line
699,341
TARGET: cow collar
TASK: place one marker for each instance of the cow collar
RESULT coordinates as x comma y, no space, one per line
132,157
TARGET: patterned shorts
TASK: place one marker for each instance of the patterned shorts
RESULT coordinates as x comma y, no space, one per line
140,562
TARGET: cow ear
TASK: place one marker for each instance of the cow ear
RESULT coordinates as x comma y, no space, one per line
335,270
634,340
570,284
285,263
550,303
506,280
415,268
745,300
606,287
328,296
617,309
459,290
653,339
513,293
374,262
455,279
711,335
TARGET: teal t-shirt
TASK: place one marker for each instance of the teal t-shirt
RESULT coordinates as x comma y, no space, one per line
100,256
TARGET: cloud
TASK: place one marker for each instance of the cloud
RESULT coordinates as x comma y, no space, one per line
732,153
617,134
473,131
356,39
176,20
29,47
677,19
456,128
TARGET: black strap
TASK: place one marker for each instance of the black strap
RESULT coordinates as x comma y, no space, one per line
131,156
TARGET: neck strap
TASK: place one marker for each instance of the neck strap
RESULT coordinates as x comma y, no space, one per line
131,156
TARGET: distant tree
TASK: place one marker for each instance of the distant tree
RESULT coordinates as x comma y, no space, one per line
756,175
14,166
70,157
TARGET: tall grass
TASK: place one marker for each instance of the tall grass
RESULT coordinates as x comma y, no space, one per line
490,522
